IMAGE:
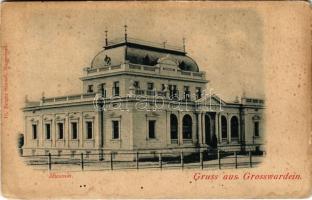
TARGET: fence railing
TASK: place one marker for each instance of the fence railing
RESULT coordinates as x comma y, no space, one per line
142,160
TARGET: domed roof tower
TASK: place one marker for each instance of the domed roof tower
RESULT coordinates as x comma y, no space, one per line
141,52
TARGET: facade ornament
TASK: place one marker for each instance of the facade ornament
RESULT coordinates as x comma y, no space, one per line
238,99
166,88
256,118
107,60
42,98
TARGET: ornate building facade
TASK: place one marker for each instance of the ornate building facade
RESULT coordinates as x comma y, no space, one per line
140,96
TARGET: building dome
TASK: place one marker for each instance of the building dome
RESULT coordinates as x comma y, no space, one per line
108,57
141,54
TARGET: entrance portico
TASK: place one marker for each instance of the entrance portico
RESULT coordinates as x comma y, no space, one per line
208,129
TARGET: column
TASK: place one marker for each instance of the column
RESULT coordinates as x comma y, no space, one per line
67,137
204,127
216,126
26,132
242,126
180,133
99,130
168,136
239,129
54,138
228,129
41,135
219,128
80,129
194,128
200,128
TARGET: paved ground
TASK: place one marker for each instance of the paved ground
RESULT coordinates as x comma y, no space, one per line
66,164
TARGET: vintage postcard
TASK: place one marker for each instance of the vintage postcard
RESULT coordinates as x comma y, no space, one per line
156,99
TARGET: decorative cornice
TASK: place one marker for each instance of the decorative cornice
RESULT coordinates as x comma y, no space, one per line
256,118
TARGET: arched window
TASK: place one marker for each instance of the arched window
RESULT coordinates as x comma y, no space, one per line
146,60
182,65
234,127
173,127
187,127
224,127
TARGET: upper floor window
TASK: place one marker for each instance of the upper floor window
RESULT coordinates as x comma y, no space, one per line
34,131
150,86
48,131
74,130
115,127
90,88
146,60
89,129
104,93
102,89
186,92
173,92
60,128
116,90
198,93
151,129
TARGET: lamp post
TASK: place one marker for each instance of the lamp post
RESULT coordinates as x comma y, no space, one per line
100,106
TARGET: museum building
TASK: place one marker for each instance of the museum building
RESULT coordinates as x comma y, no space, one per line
141,96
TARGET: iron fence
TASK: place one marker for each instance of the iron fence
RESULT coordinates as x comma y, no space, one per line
142,160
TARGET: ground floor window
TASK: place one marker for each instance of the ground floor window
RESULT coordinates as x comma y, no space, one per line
48,131
234,127
151,129
89,127
34,131
256,129
115,127
224,127
173,127
74,130
60,127
187,127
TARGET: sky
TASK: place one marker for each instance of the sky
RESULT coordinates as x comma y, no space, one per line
50,45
